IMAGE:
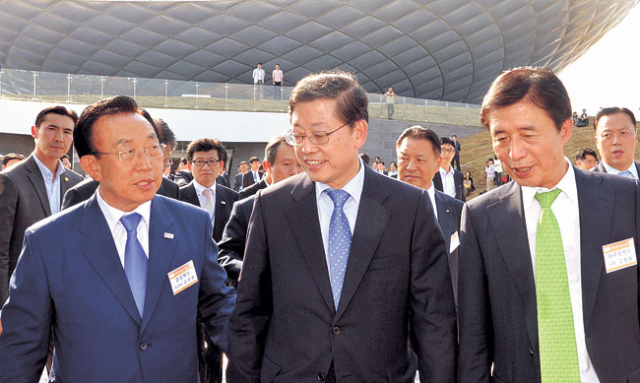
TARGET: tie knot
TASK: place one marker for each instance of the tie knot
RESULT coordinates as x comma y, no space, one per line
130,222
339,197
207,193
546,198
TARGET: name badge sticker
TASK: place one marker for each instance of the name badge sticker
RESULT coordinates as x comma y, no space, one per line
454,242
619,255
183,277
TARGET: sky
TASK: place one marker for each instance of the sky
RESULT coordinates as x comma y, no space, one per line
608,74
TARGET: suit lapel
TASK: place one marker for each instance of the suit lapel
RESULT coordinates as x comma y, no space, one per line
373,217
444,218
100,250
65,183
510,230
305,225
36,179
190,195
161,250
595,202
222,210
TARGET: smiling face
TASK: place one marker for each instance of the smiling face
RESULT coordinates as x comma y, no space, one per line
336,162
53,137
616,139
417,162
529,145
124,185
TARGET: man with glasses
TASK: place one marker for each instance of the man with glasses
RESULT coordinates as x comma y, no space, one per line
119,279
448,179
616,140
345,275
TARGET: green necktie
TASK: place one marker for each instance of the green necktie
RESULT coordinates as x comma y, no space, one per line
556,334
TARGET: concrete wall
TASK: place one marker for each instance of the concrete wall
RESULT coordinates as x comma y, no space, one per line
382,136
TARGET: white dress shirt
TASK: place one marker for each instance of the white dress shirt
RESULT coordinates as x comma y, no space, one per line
119,233
432,196
258,75
203,198
448,183
632,169
51,183
566,210
350,208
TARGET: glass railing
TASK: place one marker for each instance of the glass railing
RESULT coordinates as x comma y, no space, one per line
152,93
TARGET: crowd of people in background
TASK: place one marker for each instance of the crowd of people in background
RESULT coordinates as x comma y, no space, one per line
291,269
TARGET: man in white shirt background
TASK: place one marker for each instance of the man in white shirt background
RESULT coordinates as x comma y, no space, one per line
448,179
258,79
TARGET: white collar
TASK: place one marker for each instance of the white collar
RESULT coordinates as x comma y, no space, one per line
113,215
353,187
46,173
631,169
199,188
567,185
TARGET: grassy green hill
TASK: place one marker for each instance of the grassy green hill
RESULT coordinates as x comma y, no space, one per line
476,150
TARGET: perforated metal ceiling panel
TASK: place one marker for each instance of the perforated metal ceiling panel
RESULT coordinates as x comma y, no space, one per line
437,49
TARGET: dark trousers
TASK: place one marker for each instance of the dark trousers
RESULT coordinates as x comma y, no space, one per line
209,357
276,91
456,161
390,110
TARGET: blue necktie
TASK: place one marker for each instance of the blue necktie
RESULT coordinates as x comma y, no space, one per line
135,260
627,174
339,242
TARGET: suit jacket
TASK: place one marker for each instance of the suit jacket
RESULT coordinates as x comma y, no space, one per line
252,189
23,202
458,179
397,287
85,189
183,177
601,169
247,178
237,181
497,295
234,238
223,179
449,212
225,198
70,279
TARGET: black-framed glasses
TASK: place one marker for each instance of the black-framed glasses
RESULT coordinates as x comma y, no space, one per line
127,155
316,138
200,163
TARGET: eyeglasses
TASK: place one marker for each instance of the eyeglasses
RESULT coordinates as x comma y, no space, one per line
316,138
201,163
448,150
127,155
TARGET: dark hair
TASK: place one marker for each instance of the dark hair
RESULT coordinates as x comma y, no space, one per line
351,99
584,152
65,156
10,157
253,159
205,145
278,64
365,158
614,110
183,160
418,132
454,136
271,150
165,134
61,110
447,141
259,63
83,133
539,86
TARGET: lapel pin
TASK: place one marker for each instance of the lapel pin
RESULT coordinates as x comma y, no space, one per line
168,235
447,210
223,203
66,179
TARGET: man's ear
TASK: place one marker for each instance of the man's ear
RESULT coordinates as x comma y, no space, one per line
91,166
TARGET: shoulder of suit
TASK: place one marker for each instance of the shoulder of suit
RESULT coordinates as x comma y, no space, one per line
73,176
452,202
176,206
494,196
224,189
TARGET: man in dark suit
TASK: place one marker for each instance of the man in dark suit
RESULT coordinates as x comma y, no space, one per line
85,189
125,271
317,302
207,157
457,147
616,140
418,153
548,277
206,160
183,176
448,179
237,179
253,175
280,163
33,189
223,179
